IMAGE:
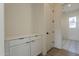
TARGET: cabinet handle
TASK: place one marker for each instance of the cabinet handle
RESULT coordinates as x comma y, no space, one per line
31,41
21,38
27,42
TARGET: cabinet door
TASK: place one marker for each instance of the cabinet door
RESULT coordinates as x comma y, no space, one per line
20,50
36,47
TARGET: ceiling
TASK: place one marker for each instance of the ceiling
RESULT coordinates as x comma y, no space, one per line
73,7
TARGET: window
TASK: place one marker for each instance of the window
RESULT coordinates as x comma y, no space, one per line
72,22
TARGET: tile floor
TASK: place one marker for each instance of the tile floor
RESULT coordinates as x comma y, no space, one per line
60,52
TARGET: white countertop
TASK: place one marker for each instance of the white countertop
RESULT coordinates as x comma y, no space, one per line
19,36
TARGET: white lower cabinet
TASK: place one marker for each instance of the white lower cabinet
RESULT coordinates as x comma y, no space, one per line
24,47
20,50
36,47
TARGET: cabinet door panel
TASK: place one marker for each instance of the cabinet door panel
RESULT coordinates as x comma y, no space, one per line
20,50
36,47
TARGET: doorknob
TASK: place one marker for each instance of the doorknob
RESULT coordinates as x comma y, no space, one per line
47,33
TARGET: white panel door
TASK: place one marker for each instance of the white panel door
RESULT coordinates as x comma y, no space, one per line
20,50
50,28
36,47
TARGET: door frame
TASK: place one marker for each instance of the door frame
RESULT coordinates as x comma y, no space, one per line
2,29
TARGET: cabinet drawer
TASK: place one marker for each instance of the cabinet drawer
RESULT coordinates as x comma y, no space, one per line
20,50
19,41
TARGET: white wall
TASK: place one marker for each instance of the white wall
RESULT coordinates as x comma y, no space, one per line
17,20
64,23
1,29
24,19
37,18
